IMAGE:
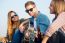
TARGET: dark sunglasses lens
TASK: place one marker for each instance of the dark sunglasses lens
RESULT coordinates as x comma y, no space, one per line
27,11
31,9
12,17
15,15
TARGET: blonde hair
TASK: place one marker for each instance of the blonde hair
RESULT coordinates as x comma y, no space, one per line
29,3
59,6
10,26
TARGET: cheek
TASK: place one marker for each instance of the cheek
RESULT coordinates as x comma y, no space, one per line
51,9
16,18
34,10
12,19
31,13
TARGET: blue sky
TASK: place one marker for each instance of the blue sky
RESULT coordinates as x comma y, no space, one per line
18,7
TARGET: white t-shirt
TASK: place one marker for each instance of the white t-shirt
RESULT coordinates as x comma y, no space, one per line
35,25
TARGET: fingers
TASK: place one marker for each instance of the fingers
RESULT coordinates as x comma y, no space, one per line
21,28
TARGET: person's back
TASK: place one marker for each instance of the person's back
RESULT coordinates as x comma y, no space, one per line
56,31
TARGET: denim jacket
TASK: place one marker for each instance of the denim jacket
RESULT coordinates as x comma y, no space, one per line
42,21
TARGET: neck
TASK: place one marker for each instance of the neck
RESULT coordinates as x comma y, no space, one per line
36,14
55,16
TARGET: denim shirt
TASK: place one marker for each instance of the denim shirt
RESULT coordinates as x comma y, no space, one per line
42,21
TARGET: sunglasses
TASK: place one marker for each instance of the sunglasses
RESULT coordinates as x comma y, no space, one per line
29,10
13,16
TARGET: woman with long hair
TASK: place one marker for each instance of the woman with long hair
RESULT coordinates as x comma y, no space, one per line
56,31
13,33
13,23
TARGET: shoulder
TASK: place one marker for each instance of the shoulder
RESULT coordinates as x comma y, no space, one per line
61,15
21,20
60,21
43,18
41,15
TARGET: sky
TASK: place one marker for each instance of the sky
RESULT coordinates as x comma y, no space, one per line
18,7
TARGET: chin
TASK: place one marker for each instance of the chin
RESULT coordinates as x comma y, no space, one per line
31,15
16,20
51,12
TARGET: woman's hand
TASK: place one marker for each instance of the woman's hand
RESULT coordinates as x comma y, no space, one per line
27,34
4,40
23,25
45,39
21,28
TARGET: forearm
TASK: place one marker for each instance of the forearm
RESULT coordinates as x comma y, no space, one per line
45,38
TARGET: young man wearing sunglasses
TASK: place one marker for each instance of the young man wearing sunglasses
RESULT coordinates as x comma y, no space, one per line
37,18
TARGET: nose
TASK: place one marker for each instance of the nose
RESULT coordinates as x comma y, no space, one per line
29,11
